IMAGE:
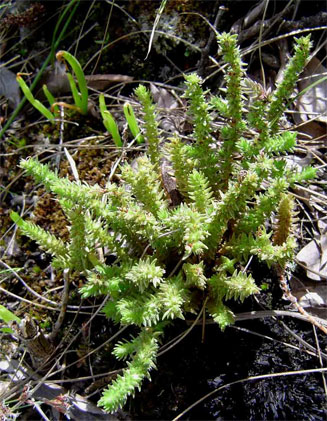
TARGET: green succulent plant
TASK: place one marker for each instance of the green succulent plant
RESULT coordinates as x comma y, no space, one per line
175,258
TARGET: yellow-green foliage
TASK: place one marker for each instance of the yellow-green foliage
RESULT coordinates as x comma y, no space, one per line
168,254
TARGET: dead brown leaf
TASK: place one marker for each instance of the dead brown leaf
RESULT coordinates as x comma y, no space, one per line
172,117
314,256
311,295
101,82
9,87
313,103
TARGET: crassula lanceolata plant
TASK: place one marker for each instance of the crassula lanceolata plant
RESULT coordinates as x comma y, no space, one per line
174,257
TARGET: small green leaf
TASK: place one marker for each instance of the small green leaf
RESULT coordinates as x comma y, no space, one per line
8,316
132,122
109,122
16,218
35,102
7,330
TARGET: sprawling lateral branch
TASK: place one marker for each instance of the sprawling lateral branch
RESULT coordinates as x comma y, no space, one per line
170,258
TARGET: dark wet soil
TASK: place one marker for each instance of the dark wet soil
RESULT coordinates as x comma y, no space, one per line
193,369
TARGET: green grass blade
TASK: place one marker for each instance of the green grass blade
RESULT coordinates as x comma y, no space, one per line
35,102
56,39
132,122
109,122
80,97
